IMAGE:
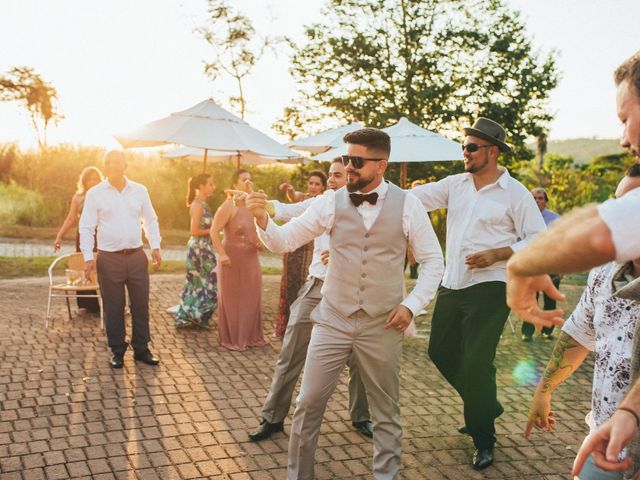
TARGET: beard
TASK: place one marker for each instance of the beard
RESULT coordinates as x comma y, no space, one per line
358,184
476,168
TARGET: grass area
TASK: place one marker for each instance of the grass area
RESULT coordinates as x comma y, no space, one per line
20,267
169,237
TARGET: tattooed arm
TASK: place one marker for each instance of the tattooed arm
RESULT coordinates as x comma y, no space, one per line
566,357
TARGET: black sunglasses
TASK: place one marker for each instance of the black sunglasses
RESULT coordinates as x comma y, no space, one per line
474,147
357,162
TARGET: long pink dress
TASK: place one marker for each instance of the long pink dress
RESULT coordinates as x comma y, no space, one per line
240,286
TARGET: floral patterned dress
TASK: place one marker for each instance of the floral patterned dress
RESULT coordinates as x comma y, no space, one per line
199,296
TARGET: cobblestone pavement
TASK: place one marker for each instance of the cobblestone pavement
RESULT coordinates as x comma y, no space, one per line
64,413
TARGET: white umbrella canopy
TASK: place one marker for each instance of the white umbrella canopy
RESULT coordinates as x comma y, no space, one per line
410,143
209,127
249,158
324,141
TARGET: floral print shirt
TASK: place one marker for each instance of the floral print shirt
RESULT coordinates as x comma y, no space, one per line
605,324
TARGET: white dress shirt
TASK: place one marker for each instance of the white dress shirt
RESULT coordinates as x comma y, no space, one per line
502,214
622,216
320,216
285,212
119,217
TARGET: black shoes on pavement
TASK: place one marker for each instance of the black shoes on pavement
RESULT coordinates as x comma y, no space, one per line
265,430
117,360
482,458
365,427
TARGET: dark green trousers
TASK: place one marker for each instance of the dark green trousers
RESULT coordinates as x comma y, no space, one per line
465,331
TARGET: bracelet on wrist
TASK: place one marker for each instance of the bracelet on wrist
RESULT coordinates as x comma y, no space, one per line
637,417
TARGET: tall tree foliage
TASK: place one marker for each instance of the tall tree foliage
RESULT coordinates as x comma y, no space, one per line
24,85
236,47
440,63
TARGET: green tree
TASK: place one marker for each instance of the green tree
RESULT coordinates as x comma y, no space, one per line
236,48
440,63
24,85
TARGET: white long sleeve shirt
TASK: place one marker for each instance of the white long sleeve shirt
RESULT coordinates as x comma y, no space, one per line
285,212
502,214
119,217
320,216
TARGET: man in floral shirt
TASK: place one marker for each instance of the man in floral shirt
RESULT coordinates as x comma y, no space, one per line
601,323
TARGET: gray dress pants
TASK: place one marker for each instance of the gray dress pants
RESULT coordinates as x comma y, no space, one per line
115,272
376,352
293,354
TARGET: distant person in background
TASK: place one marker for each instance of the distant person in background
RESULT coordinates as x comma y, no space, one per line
541,198
120,208
199,296
295,265
89,177
239,273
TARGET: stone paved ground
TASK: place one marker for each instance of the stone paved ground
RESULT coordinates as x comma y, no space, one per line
65,414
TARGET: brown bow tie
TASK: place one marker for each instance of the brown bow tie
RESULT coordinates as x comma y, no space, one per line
358,198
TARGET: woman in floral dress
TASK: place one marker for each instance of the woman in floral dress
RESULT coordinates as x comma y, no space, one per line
199,295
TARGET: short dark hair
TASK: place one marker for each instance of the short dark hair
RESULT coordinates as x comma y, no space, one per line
336,160
236,175
629,70
633,170
371,138
320,174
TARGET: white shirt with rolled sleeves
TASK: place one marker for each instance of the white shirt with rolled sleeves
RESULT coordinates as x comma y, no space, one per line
119,218
285,212
622,217
502,214
320,216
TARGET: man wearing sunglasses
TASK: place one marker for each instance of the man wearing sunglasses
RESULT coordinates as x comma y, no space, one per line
362,312
489,216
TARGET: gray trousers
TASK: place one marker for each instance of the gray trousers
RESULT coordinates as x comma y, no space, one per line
115,272
293,354
376,352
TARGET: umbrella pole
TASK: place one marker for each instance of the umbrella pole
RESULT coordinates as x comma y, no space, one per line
204,164
238,161
403,175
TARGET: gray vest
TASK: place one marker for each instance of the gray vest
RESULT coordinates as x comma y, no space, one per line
366,267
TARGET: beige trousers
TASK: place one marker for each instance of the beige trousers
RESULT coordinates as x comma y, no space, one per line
376,352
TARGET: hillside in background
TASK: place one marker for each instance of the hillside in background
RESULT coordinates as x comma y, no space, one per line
583,149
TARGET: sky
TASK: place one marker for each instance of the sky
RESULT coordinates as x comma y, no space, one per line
118,64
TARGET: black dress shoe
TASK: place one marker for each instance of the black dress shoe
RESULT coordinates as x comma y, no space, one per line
364,427
265,430
146,357
117,361
482,458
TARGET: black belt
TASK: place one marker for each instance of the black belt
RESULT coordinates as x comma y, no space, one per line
125,251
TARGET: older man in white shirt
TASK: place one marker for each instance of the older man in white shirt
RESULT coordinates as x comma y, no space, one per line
116,207
489,216
362,311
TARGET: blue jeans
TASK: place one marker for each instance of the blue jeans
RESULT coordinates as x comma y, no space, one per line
591,472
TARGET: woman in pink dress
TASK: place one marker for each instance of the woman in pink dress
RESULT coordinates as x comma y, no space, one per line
239,274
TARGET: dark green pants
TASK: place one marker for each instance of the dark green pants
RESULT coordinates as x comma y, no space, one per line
465,331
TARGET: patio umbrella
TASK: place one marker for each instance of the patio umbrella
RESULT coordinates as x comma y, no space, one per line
209,127
411,143
250,158
324,141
